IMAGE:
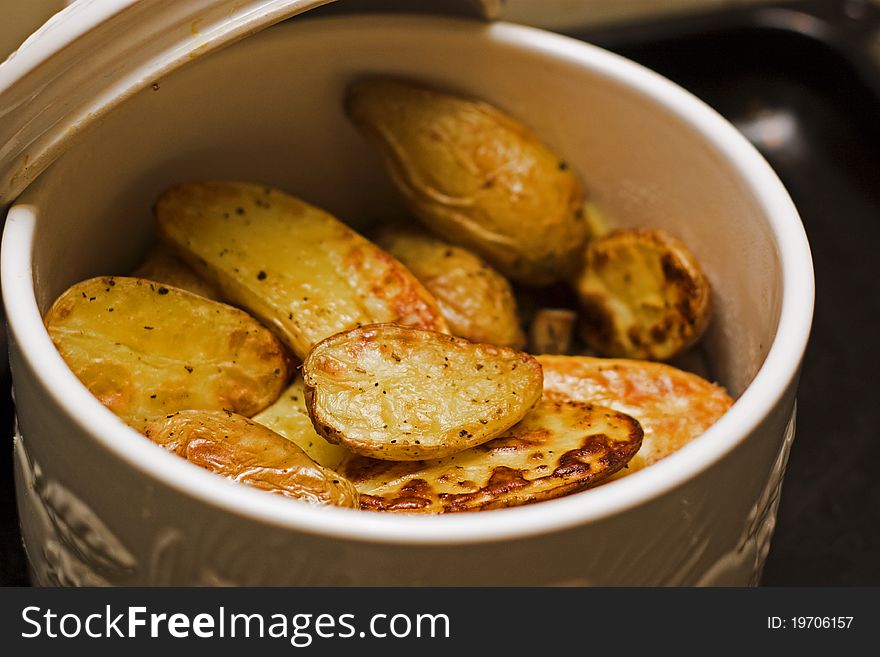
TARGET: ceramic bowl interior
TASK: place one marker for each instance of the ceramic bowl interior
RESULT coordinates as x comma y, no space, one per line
269,110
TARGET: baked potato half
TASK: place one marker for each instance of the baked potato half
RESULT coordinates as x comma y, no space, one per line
247,452
402,394
673,406
560,447
643,295
299,270
146,350
476,301
289,417
162,266
475,176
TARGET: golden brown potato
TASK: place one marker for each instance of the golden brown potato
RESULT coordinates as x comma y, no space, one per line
595,221
560,447
552,330
289,417
673,406
476,300
403,394
146,349
305,274
643,295
475,176
247,452
162,266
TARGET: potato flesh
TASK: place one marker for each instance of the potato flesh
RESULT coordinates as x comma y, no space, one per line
475,176
643,295
146,350
476,300
162,266
560,447
673,406
289,417
397,393
246,452
301,271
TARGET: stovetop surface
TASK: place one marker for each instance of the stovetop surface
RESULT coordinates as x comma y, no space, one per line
800,81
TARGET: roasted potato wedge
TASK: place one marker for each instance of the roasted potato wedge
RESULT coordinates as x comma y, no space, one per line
476,300
289,417
402,394
247,452
673,406
162,266
475,176
305,274
560,447
146,350
552,330
643,295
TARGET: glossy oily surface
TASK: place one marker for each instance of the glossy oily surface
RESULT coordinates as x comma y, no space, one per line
146,350
476,300
398,393
289,417
673,406
476,175
297,268
643,295
247,452
559,448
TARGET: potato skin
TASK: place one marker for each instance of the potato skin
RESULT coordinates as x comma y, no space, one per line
247,452
289,417
402,394
146,349
475,176
476,300
643,295
560,447
162,266
551,331
673,406
302,272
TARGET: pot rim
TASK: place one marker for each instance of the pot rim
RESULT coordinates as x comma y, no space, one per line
775,376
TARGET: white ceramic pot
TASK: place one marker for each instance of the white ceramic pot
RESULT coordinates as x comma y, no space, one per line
101,505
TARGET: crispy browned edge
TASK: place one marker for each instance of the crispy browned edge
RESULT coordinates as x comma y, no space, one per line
415,495
683,271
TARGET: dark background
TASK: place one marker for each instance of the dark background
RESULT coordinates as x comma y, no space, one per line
802,80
